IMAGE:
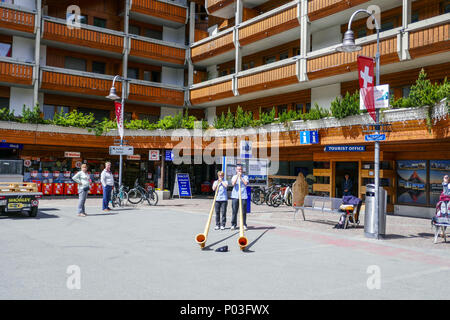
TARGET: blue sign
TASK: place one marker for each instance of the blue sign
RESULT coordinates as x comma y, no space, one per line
11,145
184,185
309,137
345,148
375,137
169,155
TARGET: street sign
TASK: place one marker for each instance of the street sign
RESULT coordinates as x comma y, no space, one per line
309,137
68,154
121,150
345,148
169,155
153,155
375,137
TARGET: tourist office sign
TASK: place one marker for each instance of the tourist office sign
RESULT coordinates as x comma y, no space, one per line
309,137
345,148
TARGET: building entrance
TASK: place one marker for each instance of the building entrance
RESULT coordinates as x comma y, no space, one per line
341,169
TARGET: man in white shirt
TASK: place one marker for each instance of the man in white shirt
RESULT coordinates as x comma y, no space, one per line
237,180
107,180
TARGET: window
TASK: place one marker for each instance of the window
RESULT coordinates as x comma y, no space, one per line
5,49
296,51
414,16
99,115
405,91
50,110
284,55
99,22
248,65
127,116
155,76
75,63
444,7
232,70
98,67
299,107
154,34
387,26
282,108
271,59
361,32
134,29
308,107
133,73
4,103
223,73
149,117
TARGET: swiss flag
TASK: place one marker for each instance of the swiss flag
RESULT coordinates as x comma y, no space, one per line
366,83
119,118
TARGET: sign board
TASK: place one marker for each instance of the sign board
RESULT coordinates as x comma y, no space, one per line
11,145
169,155
182,187
246,149
27,163
381,96
309,137
69,154
345,148
153,155
257,170
136,157
375,137
121,150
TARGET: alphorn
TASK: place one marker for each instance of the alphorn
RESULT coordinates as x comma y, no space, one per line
242,240
201,237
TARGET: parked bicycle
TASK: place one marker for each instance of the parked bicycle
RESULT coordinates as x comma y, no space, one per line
139,194
119,196
282,195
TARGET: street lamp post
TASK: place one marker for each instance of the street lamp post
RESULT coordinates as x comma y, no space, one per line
348,45
113,96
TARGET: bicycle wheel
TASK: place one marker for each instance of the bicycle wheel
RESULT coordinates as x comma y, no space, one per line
152,198
289,199
271,197
122,198
135,196
256,196
277,200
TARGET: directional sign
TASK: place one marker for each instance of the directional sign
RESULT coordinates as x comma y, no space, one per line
121,150
375,137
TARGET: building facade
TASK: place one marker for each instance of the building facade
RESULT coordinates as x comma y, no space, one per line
213,56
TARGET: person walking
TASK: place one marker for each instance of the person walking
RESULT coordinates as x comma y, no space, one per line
107,180
82,177
221,200
242,180
347,185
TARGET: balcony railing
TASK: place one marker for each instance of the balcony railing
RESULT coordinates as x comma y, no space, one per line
209,47
321,8
16,72
431,40
157,93
16,19
160,9
87,36
65,80
214,5
157,50
216,89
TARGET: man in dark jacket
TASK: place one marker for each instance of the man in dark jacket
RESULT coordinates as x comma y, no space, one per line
347,185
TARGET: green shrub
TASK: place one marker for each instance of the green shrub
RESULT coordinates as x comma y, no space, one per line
31,115
6,115
346,106
74,119
316,113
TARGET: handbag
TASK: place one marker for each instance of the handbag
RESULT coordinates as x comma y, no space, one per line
86,188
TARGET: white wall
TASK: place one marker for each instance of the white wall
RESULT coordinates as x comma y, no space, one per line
326,37
210,114
43,60
172,76
20,97
29,4
23,49
324,95
174,35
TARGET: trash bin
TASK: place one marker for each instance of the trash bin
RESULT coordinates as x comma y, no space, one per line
372,227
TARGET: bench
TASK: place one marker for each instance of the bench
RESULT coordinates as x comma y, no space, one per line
328,205
440,223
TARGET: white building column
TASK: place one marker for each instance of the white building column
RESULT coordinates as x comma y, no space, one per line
237,46
37,54
403,36
305,35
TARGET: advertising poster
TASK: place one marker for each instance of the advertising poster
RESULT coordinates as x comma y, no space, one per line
255,169
412,181
438,169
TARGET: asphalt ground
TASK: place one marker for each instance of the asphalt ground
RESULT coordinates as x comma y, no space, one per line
147,252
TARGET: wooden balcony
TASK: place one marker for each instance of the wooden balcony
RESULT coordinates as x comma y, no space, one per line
161,10
429,41
213,47
155,93
87,36
65,80
212,92
264,80
318,9
16,19
17,73
157,51
267,27
215,5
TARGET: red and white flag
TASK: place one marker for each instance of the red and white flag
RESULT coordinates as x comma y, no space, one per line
119,118
366,84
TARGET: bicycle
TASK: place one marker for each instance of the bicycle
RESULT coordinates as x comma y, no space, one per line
283,195
139,194
119,195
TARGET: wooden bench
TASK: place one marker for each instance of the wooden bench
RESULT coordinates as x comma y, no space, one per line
329,205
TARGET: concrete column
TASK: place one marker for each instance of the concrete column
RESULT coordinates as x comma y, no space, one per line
403,36
126,49
37,53
305,35
192,23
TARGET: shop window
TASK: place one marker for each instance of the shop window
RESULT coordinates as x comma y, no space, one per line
133,73
99,114
5,49
133,29
153,76
321,164
438,169
98,67
149,117
412,182
271,59
99,22
387,26
75,63
154,34
284,55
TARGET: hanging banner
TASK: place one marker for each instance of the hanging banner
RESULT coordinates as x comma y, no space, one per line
119,118
366,84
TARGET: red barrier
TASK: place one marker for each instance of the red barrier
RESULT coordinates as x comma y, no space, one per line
58,188
99,188
70,189
47,189
39,185
93,188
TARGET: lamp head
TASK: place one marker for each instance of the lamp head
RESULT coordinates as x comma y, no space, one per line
113,94
348,44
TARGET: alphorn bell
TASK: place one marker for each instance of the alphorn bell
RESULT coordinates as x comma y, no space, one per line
201,237
242,240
